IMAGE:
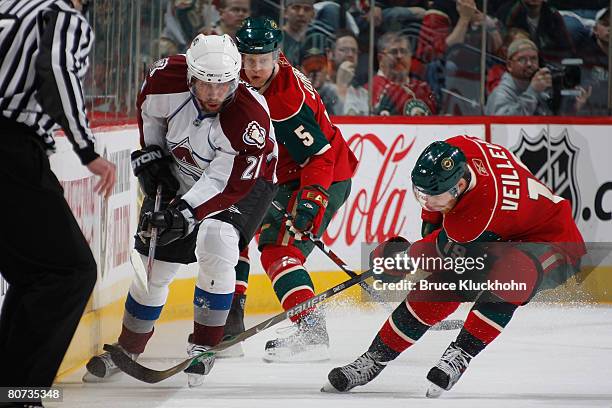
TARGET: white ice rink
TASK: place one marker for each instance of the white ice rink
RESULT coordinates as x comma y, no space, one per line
548,356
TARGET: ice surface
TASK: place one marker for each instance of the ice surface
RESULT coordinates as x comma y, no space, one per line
548,356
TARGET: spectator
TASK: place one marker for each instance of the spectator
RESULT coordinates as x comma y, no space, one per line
350,99
360,11
183,20
400,15
495,72
525,89
545,26
594,53
594,50
328,18
231,15
448,23
298,15
394,92
316,67
585,9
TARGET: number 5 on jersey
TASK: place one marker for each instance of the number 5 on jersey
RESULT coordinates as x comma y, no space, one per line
304,135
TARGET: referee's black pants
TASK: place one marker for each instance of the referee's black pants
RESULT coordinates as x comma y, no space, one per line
44,257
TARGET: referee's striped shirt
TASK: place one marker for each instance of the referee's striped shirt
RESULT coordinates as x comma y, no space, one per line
44,45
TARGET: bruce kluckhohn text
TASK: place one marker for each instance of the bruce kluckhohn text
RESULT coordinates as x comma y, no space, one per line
462,285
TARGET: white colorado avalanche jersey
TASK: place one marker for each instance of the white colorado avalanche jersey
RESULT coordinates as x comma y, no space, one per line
217,157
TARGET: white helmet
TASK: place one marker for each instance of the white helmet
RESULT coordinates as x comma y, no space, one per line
213,58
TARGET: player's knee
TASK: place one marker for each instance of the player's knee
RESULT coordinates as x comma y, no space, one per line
217,242
220,280
273,254
430,313
217,254
517,275
163,273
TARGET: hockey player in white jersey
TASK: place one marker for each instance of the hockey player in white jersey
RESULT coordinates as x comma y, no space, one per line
208,140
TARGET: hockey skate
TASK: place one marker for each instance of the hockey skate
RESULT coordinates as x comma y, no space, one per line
308,342
234,326
101,367
359,372
198,368
448,371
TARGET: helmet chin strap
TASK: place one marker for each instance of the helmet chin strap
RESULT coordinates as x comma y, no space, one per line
455,190
265,85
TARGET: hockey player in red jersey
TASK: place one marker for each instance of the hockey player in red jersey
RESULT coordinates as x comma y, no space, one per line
314,172
477,199
208,140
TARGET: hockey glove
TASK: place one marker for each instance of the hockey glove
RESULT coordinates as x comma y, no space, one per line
152,167
311,205
388,266
175,222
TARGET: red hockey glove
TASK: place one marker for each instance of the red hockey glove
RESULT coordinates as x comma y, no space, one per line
384,260
311,204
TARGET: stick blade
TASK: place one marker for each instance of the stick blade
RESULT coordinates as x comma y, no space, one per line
140,372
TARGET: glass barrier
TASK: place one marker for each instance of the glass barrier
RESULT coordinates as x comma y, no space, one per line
412,57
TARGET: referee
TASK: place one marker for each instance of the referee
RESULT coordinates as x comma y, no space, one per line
44,47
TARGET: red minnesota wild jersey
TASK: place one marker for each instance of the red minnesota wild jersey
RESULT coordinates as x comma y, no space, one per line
311,148
505,202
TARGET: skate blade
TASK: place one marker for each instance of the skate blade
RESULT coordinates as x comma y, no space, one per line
195,380
434,391
328,387
303,354
236,351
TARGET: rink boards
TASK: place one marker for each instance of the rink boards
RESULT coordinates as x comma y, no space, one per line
570,155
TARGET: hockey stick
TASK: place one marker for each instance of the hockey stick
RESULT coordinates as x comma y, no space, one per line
331,254
443,325
153,242
148,375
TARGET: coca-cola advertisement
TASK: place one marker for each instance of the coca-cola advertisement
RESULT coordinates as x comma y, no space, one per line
381,203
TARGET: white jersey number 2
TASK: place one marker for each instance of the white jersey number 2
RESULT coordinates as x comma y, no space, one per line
252,170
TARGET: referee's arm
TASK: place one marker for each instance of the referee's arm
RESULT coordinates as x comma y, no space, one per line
60,65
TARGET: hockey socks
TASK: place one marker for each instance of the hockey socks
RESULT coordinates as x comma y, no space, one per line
483,324
242,272
291,283
408,322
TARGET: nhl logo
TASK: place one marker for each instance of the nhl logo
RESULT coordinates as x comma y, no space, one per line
552,161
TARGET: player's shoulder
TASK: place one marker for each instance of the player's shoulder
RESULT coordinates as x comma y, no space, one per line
167,75
285,95
464,141
245,121
473,148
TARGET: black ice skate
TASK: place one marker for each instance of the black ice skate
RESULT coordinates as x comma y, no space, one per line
359,372
447,372
309,342
199,368
234,326
101,367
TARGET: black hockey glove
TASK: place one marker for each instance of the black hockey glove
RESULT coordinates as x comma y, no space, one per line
175,222
383,259
152,167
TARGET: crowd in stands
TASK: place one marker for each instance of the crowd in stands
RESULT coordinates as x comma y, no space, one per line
543,57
